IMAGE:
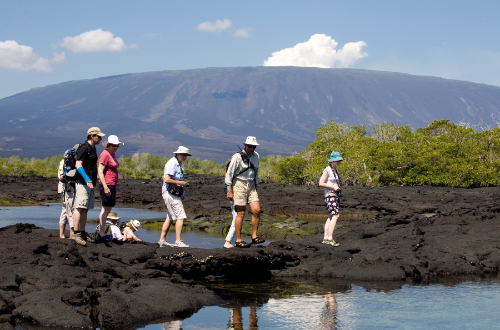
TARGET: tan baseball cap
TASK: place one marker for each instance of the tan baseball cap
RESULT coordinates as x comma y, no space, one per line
96,131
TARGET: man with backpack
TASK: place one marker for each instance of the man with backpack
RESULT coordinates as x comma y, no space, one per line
241,180
86,166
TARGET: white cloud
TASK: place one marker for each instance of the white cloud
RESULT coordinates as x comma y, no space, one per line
319,51
243,33
216,26
21,58
151,35
59,57
95,41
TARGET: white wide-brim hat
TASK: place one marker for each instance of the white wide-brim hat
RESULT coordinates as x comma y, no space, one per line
182,150
251,140
135,224
113,139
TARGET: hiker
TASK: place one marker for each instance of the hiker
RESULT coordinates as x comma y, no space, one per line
86,166
112,229
173,195
241,180
108,179
130,228
330,181
67,191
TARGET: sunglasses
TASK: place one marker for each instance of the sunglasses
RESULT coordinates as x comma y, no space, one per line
251,147
115,145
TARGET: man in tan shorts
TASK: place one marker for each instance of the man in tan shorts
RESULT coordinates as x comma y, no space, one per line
241,180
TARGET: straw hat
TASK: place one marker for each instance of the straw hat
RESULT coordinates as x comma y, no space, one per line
113,216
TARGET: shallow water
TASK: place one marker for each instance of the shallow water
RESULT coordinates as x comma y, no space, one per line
48,217
468,305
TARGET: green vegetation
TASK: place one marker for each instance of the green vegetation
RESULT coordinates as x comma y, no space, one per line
442,154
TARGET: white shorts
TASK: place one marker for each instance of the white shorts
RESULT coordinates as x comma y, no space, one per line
67,208
175,209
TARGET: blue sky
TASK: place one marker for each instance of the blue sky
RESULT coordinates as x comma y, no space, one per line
48,42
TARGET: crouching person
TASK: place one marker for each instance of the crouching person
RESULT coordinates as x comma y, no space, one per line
130,228
112,229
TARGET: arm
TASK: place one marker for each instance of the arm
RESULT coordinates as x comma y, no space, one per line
100,171
322,182
228,180
168,179
79,168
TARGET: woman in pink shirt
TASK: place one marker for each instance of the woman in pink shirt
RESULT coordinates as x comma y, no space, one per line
108,178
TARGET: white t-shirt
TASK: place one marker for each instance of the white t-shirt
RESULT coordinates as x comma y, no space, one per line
333,178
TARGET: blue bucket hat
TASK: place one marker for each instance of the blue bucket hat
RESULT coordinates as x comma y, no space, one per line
335,155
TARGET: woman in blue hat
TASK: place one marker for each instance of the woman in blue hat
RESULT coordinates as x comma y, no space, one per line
330,181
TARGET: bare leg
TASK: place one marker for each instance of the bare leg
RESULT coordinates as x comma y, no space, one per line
62,227
102,219
164,230
80,219
255,207
331,226
238,223
178,229
253,318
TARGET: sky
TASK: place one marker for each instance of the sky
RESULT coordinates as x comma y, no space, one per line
49,42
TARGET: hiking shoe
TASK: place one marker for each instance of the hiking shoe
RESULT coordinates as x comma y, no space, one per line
242,244
87,237
100,239
164,244
78,239
257,240
180,244
333,243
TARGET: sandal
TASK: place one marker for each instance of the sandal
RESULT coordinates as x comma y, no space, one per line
257,240
242,244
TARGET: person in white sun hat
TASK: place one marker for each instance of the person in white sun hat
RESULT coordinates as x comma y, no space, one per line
108,179
241,180
173,194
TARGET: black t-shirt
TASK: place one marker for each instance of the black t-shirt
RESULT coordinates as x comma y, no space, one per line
88,155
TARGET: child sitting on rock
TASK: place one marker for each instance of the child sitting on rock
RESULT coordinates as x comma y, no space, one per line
130,228
113,231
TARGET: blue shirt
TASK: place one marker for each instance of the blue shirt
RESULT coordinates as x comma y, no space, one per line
172,168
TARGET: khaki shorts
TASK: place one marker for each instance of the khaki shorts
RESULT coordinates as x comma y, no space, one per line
175,209
244,192
84,197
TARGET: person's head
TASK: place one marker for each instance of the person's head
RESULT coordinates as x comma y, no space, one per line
113,217
134,224
94,135
250,145
335,158
112,144
181,153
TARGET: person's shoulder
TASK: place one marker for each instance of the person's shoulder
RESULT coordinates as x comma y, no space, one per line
256,154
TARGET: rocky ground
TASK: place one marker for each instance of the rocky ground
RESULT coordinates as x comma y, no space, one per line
415,234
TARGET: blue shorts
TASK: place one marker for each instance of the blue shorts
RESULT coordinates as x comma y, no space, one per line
105,199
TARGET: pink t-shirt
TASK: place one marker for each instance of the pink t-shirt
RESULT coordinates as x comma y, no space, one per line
111,169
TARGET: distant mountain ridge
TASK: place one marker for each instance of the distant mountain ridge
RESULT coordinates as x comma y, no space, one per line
210,110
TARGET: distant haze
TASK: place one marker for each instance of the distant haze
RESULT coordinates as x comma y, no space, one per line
211,110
